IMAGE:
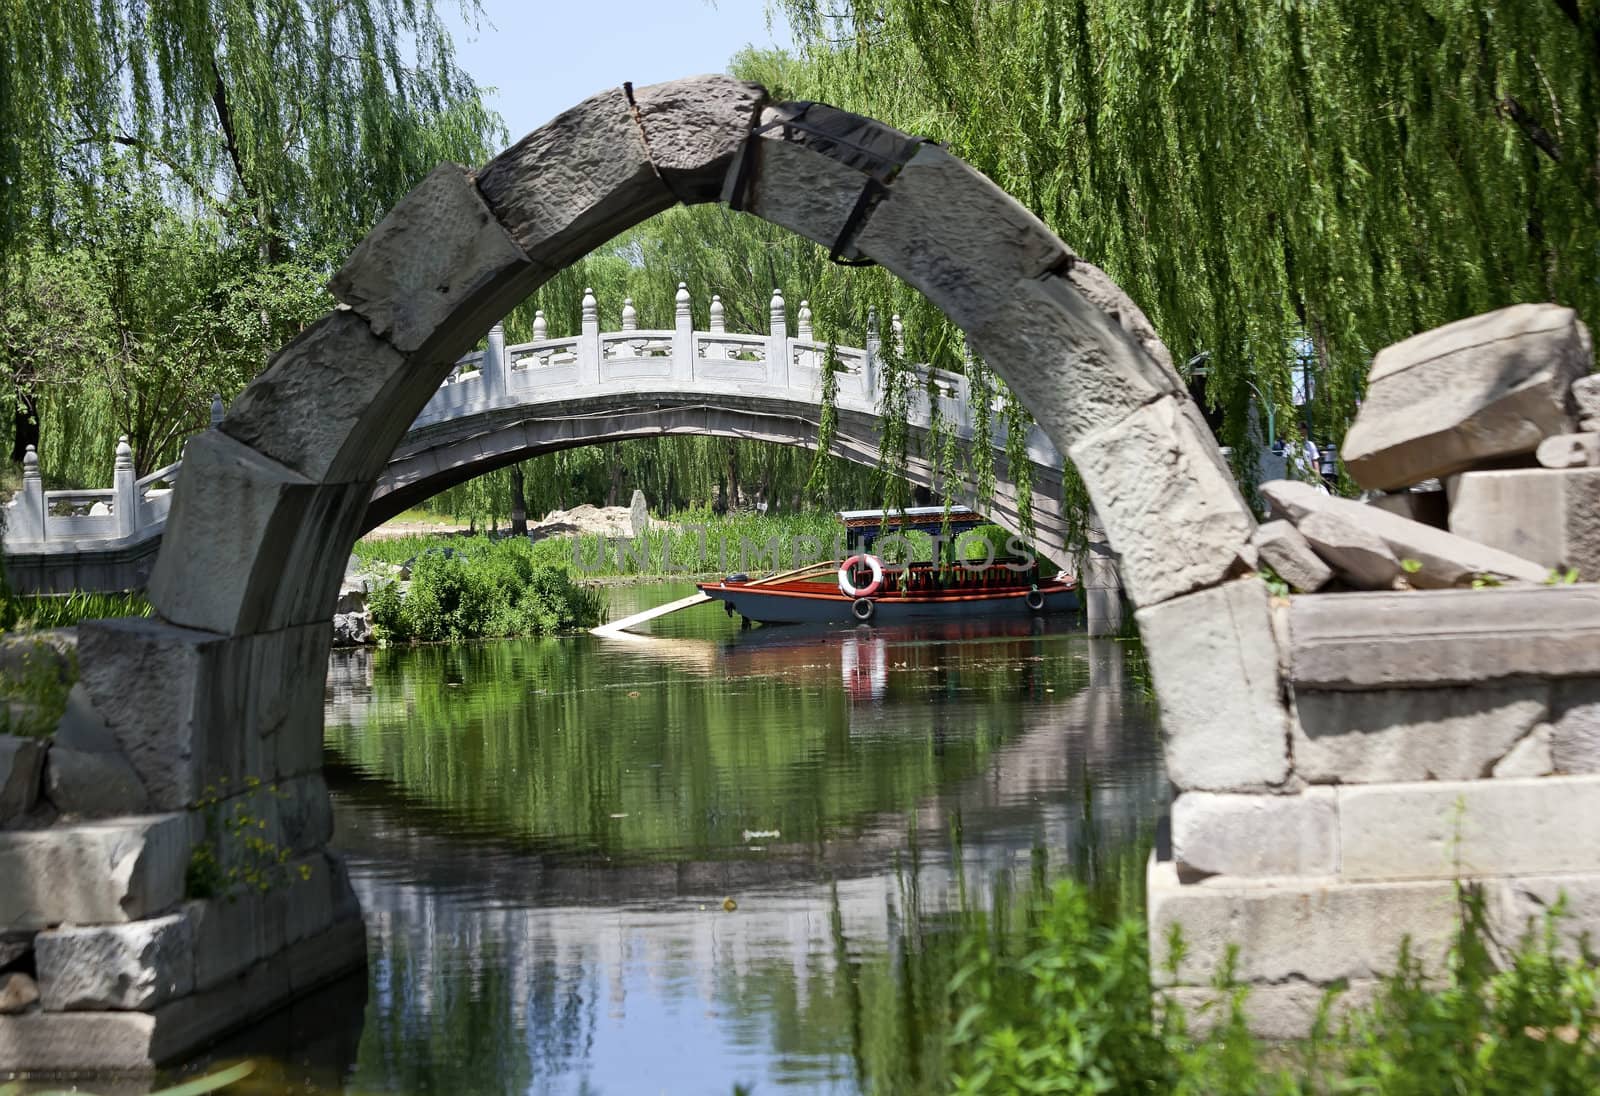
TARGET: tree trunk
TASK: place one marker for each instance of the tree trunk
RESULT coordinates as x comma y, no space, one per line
519,504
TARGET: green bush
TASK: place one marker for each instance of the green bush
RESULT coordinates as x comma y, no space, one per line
483,589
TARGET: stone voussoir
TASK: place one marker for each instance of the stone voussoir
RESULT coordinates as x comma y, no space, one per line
1222,715
1449,829
1257,835
102,872
1489,386
695,128
1169,504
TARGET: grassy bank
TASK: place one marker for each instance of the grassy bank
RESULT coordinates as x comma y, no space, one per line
24,613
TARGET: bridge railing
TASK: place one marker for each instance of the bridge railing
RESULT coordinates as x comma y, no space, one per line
771,363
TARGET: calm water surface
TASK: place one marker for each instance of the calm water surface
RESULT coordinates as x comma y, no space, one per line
671,864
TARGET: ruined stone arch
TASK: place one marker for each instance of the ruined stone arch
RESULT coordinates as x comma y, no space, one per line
226,680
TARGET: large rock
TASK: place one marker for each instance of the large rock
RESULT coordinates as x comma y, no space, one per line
1444,637
1280,546
1257,835
1548,516
17,992
1448,399
1382,735
1441,559
88,784
1215,665
1447,830
103,872
1361,558
21,762
132,966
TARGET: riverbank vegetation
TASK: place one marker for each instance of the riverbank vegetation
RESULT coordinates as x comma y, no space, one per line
482,589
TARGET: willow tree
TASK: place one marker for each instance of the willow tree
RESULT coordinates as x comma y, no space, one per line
1338,173
280,130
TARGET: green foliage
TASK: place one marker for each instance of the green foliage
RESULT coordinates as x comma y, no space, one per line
238,854
67,610
478,589
34,685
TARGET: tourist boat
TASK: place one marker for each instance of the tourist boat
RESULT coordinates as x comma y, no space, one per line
864,589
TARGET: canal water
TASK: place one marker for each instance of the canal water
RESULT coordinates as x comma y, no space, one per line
687,862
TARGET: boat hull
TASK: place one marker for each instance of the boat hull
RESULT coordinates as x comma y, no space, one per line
766,606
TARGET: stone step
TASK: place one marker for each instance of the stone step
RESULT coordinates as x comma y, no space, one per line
107,871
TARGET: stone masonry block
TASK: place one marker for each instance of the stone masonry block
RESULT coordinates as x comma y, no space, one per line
1547,515
1570,451
1433,638
1300,930
959,238
1222,713
1586,396
1452,733
1524,901
1359,557
437,257
694,128
1278,1012
1490,386
1257,835
1072,364
1169,505
799,188
134,966
1575,726
240,525
324,407
1531,756
102,872
1444,830
1281,547
575,182
1440,559
21,765
231,709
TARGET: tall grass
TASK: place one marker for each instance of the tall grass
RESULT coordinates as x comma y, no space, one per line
67,610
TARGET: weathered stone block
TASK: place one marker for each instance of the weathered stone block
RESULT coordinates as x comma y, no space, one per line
1522,902
433,275
251,545
1257,835
1169,505
694,128
234,933
77,1042
230,708
575,182
1445,830
1441,559
1360,558
17,992
1585,394
1575,727
1281,547
1313,931
1549,516
1222,714
1443,637
1071,363
1570,451
102,872
1411,734
93,784
1530,757
798,188
133,966
967,244
21,764
1490,386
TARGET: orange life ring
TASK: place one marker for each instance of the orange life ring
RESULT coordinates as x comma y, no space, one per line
848,588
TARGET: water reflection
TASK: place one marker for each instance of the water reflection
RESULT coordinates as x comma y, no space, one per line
543,835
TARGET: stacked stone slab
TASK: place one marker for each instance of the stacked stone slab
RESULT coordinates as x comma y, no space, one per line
1432,716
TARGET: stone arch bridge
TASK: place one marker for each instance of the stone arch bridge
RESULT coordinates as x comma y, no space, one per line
507,403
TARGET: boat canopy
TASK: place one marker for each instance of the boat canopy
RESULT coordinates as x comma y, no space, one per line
870,522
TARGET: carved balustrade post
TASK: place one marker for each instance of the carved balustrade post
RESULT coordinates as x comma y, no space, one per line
124,491
29,516
493,377
778,344
682,337
869,364
589,343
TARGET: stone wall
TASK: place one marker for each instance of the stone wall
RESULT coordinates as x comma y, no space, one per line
1413,698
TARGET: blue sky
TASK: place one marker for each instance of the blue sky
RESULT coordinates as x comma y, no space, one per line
543,57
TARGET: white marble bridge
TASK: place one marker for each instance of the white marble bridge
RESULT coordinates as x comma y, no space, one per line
508,403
